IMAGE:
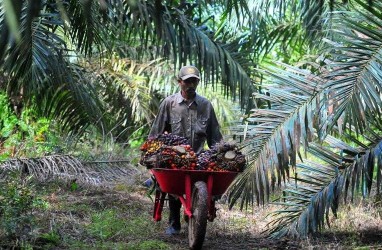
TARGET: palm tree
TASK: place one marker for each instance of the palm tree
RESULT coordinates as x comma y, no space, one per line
42,40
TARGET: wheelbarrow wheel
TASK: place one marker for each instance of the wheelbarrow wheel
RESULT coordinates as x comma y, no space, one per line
198,222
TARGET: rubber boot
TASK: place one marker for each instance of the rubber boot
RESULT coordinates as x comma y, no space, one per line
174,218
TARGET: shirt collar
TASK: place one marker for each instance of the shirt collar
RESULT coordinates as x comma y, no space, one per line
180,99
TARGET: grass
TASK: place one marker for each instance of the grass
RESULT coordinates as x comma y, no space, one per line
121,218
104,219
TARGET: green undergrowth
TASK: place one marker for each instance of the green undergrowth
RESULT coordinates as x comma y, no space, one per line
121,218
138,245
109,223
79,219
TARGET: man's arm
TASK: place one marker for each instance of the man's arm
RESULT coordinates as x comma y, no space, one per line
213,131
161,122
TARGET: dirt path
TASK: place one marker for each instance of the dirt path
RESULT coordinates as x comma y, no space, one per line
237,229
229,230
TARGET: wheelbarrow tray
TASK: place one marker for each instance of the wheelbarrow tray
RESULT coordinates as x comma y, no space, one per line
173,180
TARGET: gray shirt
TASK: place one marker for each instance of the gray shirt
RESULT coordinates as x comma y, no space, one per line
196,121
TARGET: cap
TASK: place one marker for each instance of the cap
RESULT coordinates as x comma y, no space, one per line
187,72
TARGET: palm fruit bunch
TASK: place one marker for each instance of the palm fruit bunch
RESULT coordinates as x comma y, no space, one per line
178,157
168,151
222,156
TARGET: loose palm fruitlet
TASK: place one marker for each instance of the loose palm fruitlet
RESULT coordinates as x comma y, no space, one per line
168,151
222,156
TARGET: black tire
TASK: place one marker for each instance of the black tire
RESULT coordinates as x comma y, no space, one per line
198,223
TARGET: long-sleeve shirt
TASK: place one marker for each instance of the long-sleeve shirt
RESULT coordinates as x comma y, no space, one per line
195,121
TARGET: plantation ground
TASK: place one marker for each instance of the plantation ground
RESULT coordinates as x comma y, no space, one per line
120,218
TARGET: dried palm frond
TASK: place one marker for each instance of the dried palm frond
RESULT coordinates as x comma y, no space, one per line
69,168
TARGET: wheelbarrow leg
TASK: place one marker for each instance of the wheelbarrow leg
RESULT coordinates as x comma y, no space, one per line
158,206
210,200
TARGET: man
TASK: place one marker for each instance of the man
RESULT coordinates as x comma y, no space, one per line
189,115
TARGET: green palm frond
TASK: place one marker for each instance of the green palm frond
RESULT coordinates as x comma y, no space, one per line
86,24
350,102
41,72
305,207
227,111
75,102
268,32
354,84
130,91
238,7
303,10
273,135
175,36
268,37
318,188
10,12
84,21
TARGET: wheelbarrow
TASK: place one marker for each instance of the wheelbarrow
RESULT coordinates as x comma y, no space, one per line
197,190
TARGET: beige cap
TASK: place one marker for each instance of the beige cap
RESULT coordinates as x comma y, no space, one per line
187,72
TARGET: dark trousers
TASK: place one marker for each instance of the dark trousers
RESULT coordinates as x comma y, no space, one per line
175,205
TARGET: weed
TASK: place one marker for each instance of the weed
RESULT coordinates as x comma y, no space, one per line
108,224
18,200
149,245
50,238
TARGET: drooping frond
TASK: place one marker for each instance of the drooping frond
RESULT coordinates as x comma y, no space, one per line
305,207
131,91
312,14
267,32
88,21
39,68
262,34
170,32
349,101
75,102
84,21
69,168
355,80
273,135
238,7
318,188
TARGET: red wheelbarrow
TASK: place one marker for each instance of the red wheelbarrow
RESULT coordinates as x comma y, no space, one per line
196,190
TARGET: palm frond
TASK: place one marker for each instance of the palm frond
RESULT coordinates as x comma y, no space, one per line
87,23
75,102
10,12
318,188
267,32
237,7
273,135
130,91
41,73
176,37
312,13
69,168
354,84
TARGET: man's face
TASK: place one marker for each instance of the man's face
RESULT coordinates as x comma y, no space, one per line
188,87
